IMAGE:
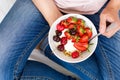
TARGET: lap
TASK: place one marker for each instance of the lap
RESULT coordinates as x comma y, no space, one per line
34,70
108,55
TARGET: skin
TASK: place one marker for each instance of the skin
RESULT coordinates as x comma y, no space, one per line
48,10
109,14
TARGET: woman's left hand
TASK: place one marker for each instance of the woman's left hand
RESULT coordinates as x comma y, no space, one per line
110,14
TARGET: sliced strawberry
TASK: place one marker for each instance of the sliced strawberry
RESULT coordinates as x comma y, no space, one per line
80,30
84,38
71,25
64,23
79,21
75,38
81,46
71,19
67,34
60,27
88,32
63,40
75,54
82,23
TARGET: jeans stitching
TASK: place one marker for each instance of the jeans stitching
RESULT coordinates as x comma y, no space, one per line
107,61
85,71
37,77
24,52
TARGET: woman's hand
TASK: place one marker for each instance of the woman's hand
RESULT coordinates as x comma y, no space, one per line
110,14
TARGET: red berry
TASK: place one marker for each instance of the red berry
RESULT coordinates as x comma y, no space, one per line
75,54
63,40
79,21
88,31
60,27
71,19
84,38
71,25
67,34
64,23
60,47
81,46
56,38
58,33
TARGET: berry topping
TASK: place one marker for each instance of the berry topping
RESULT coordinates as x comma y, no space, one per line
63,40
60,47
58,33
56,38
75,54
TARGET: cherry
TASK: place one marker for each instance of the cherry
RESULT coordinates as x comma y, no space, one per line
56,38
60,47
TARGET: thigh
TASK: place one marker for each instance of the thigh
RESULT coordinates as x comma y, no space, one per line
108,55
20,32
38,71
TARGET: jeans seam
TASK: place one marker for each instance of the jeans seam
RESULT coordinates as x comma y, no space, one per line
107,61
85,71
37,77
23,53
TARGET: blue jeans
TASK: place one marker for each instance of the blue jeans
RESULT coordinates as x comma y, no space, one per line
21,30
24,27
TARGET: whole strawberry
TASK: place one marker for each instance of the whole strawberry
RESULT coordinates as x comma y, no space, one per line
75,54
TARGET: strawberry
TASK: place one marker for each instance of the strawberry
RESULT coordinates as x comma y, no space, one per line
71,25
67,34
64,23
71,19
84,38
88,32
75,38
79,21
63,40
80,30
81,46
75,54
82,23
60,27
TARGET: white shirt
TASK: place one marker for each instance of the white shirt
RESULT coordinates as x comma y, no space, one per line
80,6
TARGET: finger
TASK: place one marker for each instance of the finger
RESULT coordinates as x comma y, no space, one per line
111,32
102,24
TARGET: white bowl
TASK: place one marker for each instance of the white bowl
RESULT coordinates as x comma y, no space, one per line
60,55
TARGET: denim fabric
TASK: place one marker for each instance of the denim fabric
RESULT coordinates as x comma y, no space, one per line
38,71
21,30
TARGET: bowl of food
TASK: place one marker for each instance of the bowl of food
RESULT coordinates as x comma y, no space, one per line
69,38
